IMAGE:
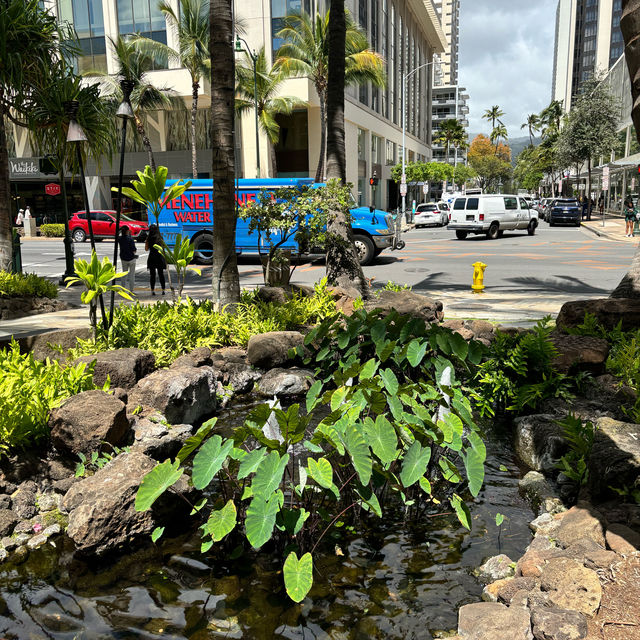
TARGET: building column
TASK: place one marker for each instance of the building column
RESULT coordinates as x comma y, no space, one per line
99,192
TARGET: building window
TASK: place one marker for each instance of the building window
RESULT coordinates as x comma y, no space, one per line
143,17
279,10
376,149
86,17
393,115
362,144
363,18
390,155
375,11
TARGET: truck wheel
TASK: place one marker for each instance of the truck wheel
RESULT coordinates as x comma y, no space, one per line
531,229
203,249
494,230
79,235
461,235
364,249
377,252
500,233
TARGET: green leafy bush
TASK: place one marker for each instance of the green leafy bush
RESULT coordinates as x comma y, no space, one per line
387,424
29,389
52,230
519,372
26,284
169,330
580,436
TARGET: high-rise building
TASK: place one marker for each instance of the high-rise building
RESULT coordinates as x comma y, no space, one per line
588,41
450,101
407,33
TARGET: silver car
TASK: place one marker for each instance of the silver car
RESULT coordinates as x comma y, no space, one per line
430,214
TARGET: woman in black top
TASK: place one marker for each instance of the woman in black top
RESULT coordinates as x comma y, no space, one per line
155,261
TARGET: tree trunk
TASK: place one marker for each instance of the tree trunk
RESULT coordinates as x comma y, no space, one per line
629,286
343,268
226,280
274,160
589,188
320,170
146,143
194,114
6,215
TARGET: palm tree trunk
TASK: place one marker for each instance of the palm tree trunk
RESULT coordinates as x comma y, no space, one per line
343,268
274,160
588,188
320,170
6,215
194,113
226,280
629,286
146,143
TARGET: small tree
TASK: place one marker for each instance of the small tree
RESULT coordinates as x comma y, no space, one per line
180,257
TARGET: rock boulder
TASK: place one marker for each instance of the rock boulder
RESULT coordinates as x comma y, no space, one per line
124,367
569,585
492,620
407,303
608,312
558,624
271,349
285,382
184,395
84,421
581,521
539,441
496,568
583,353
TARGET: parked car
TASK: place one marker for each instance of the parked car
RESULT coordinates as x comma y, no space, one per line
430,214
104,226
545,207
565,210
491,215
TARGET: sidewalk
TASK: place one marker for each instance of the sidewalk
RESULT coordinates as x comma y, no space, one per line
613,229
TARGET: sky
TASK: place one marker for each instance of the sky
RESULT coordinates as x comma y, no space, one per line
506,58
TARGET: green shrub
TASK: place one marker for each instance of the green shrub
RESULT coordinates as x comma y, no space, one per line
172,329
388,426
26,284
29,389
52,230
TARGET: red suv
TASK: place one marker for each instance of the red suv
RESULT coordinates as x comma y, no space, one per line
104,225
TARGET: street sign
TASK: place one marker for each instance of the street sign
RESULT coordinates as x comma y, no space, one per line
425,188
605,178
403,189
52,189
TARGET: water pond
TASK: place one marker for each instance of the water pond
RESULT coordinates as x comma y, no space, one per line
397,581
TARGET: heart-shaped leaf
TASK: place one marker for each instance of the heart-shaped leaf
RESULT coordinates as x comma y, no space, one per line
298,576
321,471
156,482
260,520
221,522
209,460
414,464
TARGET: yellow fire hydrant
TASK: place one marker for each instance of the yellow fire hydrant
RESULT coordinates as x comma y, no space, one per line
478,276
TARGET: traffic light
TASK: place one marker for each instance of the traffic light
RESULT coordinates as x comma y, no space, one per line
373,181
639,168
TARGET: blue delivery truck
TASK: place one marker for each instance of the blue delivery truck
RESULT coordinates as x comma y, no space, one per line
192,216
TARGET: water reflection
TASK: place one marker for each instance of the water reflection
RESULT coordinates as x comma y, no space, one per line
392,582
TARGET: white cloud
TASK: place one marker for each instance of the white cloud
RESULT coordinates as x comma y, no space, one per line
506,58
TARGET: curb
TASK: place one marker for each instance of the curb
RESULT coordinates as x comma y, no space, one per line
602,234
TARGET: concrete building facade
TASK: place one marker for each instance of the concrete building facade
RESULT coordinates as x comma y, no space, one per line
588,41
407,33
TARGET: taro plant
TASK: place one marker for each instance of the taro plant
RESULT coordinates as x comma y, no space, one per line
387,424
97,277
180,257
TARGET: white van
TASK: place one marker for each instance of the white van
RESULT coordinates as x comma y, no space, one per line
492,215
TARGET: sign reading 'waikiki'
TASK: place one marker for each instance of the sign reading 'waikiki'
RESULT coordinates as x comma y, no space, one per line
24,168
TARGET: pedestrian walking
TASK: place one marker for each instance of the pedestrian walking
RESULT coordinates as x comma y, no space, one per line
20,218
629,217
128,257
601,203
155,262
27,213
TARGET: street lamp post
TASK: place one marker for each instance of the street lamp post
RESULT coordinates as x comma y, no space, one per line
254,60
405,77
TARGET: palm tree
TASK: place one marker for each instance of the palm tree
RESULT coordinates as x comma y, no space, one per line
343,267
225,279
551,118
31,40
191,28
305,53
493,115
499,132
451,133
270,104
133,65
533,124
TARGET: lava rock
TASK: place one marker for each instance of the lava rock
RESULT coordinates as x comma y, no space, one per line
492,620
581,521
579,353
569,585
496,568
538,491
539,441
159,441
123,367
184,395
609,312
199,357
24,503
558,624
406,303
285,382
622,539
271,349
8,520
545,525
84,421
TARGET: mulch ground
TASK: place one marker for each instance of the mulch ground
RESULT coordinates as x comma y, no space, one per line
619,614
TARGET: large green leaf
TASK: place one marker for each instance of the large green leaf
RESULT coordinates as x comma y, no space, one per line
369,369
390,381
221,522
459,345
192,443
449,470
269,474
298,576
416,351
312,394
359,452
209,460
474,465
260,519
475,352
321,471
382,439
250,463
414,464
293,520
462,511
156,482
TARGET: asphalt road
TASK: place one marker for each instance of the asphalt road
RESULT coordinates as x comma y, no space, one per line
560,260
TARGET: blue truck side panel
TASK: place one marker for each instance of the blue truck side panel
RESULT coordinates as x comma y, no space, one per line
192,213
